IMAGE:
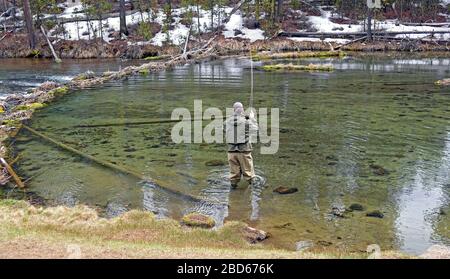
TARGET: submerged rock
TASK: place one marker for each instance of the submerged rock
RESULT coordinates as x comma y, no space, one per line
356,207
285,190
375,214
198,220
215,163
379,170
303,245
254,235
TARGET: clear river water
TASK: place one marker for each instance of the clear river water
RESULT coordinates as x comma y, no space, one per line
375,131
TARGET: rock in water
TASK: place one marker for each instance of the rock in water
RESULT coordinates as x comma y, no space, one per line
303,245
254,235
379,170
198,220
215,163
285,190
375,214
356,207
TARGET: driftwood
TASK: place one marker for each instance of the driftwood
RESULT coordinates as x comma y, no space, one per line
57,60
12,173
114,167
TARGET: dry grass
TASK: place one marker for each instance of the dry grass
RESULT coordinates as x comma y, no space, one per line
55,232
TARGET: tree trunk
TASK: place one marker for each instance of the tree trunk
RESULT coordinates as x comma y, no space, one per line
369,25
123,20
29,23
279,9
198,20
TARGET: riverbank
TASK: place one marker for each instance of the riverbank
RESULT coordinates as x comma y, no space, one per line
27,231
16,46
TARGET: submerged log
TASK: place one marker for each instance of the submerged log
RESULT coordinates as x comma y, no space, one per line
118,168
147,122
13,174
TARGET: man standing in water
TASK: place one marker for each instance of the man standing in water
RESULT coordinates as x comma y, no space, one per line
239,129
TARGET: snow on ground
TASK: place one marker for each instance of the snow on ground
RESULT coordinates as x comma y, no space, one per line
177,35
236,23
178,31
324,24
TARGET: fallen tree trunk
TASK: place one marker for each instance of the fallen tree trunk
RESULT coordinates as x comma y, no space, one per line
12,173
55,56
114,167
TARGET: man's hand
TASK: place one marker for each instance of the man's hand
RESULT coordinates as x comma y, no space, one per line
252,113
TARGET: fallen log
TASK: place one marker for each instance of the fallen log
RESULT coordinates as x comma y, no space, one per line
12,173
114,167
57,60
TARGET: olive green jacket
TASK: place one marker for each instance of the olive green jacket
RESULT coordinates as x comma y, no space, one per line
240,132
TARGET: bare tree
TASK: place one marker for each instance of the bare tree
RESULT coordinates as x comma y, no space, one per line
29,23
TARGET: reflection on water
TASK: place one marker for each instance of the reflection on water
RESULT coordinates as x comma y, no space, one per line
374,132
420,201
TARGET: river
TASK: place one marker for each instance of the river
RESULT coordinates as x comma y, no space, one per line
375,131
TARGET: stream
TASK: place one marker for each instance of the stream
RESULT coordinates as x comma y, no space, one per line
375,131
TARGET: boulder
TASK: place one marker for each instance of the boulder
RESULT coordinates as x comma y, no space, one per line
254,235
356,207
285,190
379,170
198,220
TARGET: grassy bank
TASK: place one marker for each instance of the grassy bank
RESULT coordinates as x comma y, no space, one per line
60,232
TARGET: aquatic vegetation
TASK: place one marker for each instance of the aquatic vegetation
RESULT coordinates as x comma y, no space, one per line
144,72
156,58
12,122
32,106
59,91
292,67
300,54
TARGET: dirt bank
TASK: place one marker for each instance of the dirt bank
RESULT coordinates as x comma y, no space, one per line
16,46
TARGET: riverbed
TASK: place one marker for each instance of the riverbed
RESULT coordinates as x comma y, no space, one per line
375,132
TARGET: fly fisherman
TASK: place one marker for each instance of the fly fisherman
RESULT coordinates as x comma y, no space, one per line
239,131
